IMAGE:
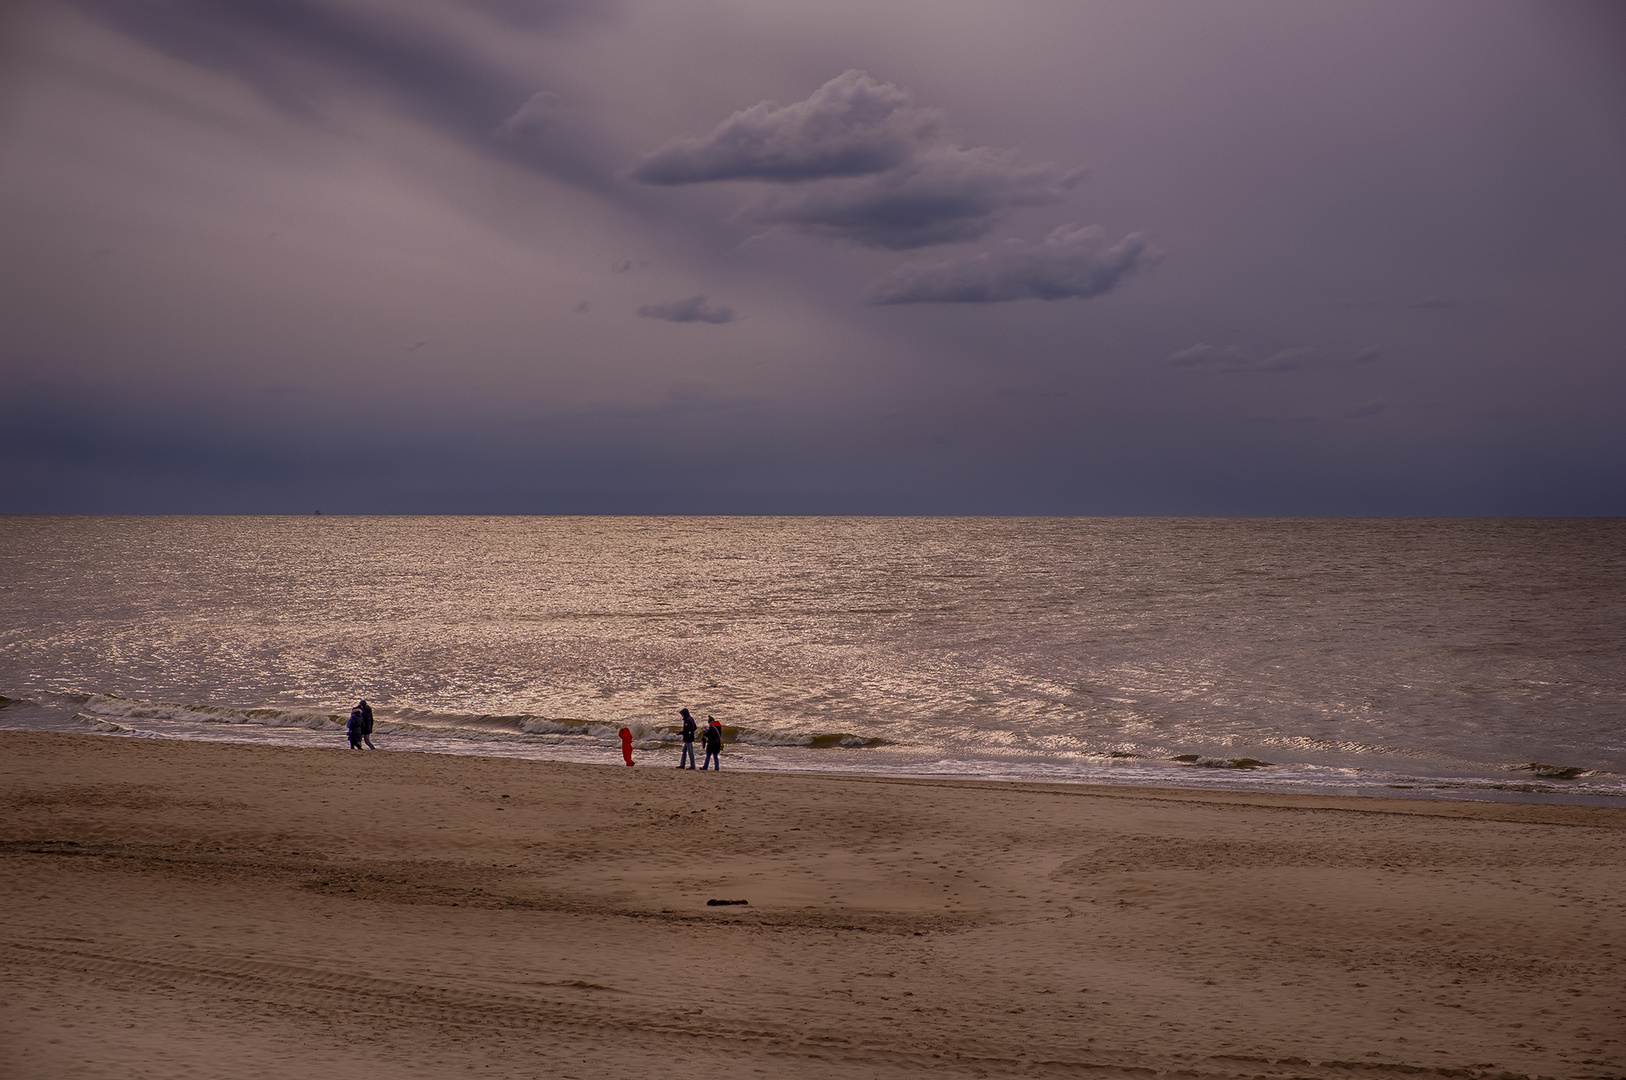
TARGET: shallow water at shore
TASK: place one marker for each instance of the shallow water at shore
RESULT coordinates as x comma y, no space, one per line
1477,659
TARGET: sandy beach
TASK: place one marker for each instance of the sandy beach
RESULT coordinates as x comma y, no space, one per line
190,909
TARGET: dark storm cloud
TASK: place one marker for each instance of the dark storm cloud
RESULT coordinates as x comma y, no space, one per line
850,126
1074,261
947,196
867,166
299,54
694,309
252,211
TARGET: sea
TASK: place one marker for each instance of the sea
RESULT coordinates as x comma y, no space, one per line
1443,659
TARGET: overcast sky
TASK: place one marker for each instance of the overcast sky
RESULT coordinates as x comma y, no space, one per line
759,256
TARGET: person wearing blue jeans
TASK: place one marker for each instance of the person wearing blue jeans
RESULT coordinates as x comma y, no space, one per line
688,739
714,745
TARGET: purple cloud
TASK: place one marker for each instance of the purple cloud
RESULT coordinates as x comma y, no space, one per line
694,309
1074,261
863,164
545,113
943,197
850,126
302,55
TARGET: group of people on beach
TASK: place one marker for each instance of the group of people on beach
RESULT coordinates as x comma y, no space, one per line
360,730
711,739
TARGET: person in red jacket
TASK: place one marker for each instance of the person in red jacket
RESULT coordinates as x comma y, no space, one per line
626,745
713,738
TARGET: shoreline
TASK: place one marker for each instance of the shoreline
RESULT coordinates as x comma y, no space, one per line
1262,777
249,910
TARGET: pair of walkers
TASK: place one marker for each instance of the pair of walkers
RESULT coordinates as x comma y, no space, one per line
360,727
712,740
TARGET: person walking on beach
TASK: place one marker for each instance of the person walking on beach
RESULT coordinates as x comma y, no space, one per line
367,724
626,745
689,728
354,728
714,745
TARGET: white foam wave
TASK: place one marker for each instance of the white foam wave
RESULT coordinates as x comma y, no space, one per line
110,707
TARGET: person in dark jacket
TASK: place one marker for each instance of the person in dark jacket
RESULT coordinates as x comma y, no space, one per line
367,724
354,728
689,728
713,739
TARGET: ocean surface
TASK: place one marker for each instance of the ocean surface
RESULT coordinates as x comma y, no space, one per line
1480,659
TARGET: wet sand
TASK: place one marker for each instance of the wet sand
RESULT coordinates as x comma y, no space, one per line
188,909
